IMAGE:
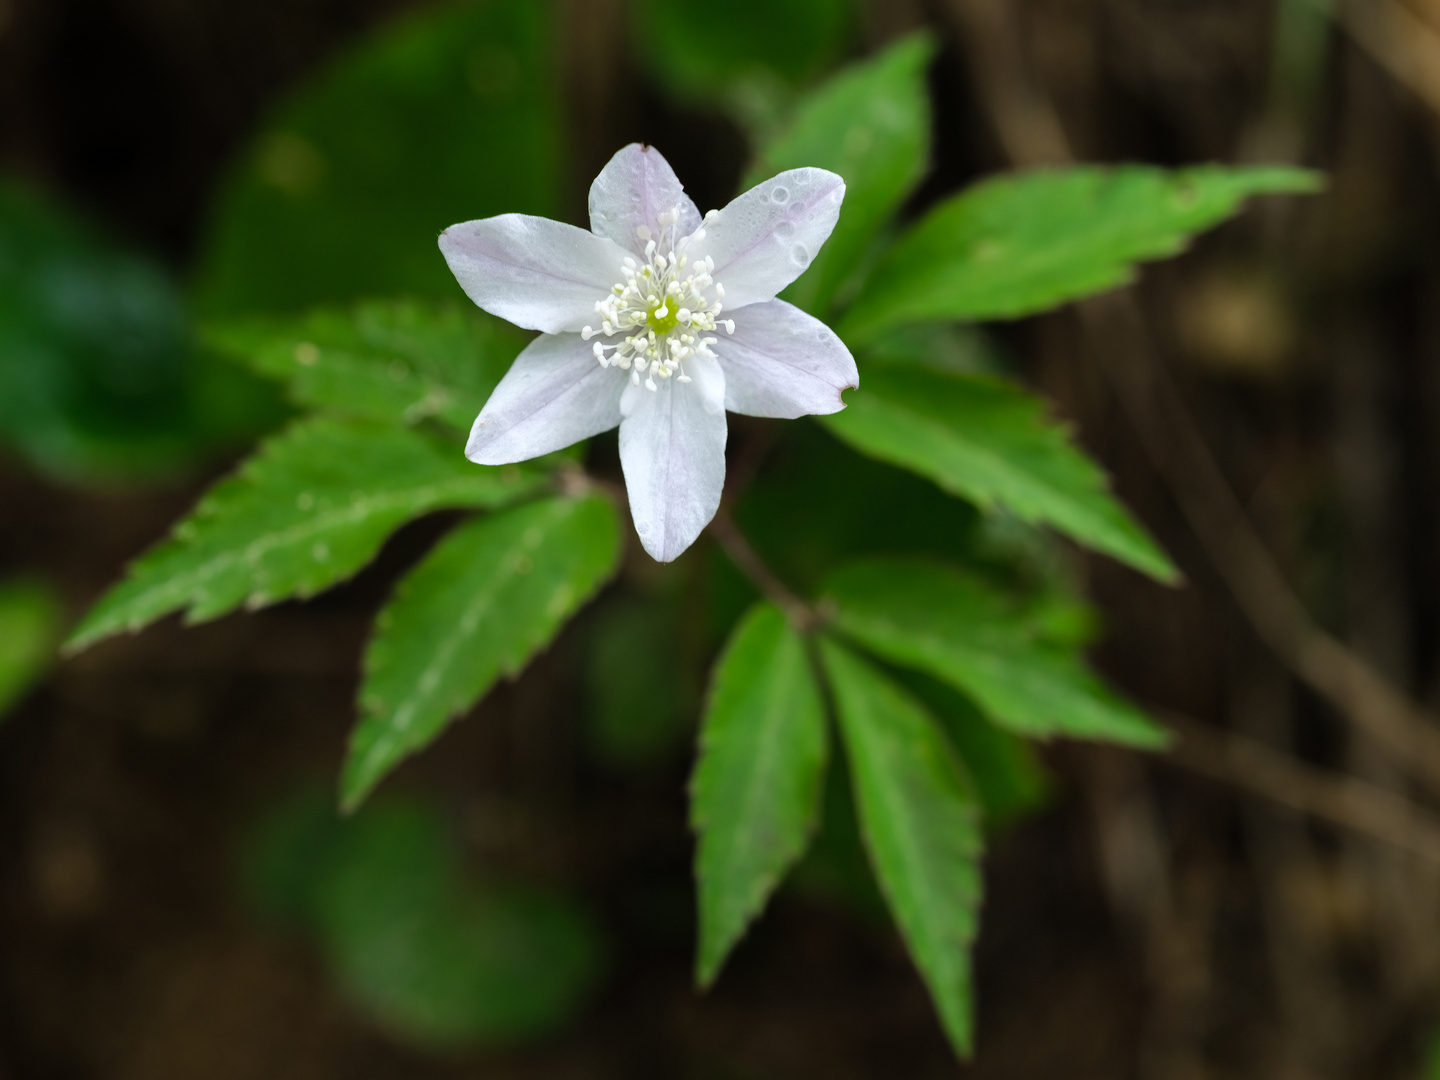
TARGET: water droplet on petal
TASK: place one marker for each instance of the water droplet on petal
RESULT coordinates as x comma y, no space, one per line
779,194
785,230
800,255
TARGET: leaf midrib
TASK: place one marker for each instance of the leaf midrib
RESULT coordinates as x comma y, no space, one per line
766,757
411,705
351,514
929,893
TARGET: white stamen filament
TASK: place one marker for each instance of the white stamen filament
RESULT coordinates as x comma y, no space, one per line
668,288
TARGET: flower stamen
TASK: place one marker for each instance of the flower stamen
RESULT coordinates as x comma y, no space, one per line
660,308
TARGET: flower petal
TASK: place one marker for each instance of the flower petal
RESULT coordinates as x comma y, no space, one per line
534,272
672,448
553,395
782,362
634,189
766,237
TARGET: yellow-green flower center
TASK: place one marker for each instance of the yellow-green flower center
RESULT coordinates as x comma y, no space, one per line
661,324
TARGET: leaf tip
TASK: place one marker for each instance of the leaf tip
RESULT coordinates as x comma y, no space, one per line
353,793
707,969
358,778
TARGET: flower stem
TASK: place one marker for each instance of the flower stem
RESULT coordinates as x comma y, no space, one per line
804,617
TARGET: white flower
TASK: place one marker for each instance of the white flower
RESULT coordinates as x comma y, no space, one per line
632,333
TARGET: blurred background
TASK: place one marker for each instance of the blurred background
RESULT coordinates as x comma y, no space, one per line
177,898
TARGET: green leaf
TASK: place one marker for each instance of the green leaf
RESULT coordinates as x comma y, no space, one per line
97,378
870,124
397,361
29,628
1008,776
987,441
719,51
450,114
309,509
491,594
936,620
441,958
638,692
920,820
757,782
1019,244
442,961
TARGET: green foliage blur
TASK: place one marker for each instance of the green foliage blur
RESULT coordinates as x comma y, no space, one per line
449,115
29,631
438,955
99,378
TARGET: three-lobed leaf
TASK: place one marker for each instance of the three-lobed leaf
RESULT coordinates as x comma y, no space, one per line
939,621
987,441
1016,245
480,605
757,782
870,124
306,511
920,820
394,361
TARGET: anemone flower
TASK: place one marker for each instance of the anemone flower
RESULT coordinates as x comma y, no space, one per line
658,321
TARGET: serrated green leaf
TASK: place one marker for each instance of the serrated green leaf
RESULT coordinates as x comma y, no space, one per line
29,628
757,782
936,620
490,595
1019,244
870,124
1009,779
920,820
395,361
308,510
447,114
987,441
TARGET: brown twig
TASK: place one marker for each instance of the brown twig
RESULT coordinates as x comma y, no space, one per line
1334,797
1025,123
732,541
1158,413
575,481
1403,42
1174,443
